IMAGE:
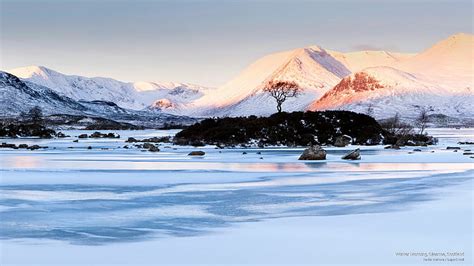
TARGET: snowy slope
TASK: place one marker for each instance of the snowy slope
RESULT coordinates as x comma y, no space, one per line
356,61
439,79
449,62
17,96
136,95
385,91
312,69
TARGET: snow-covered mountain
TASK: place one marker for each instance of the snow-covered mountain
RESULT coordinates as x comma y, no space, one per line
132,95
314,69
19,96
385,91
449,62
439,80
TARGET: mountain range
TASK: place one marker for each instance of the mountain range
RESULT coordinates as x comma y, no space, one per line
438,79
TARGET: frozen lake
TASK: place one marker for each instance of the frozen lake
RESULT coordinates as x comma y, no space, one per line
107,205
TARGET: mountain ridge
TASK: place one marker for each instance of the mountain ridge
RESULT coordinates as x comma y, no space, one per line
442,69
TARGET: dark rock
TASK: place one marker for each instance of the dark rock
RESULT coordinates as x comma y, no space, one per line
154,149
157,139
258,152
82,136
196,153
342,141
244,152
466,143
468,153
416,150
89,148
23,146
452,148
314,152
130,139
7,145
353,155
125,147
147,145
34,147
61,135
75,140
97,134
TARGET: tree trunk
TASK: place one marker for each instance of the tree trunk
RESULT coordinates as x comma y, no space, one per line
279,107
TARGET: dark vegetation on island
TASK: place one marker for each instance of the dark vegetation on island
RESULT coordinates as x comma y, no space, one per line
337,128
31,125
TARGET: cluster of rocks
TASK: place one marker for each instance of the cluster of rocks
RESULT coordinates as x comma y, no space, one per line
315,152
466,143
26,130
147,146
456,149
21,146
99,135
153,140
148,143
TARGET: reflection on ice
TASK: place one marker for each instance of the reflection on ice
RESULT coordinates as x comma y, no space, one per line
91,215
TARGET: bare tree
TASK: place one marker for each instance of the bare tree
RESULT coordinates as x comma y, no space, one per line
370,109
422,119
35,115
281,90
395,126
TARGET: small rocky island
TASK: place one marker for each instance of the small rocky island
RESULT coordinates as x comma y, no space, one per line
335,128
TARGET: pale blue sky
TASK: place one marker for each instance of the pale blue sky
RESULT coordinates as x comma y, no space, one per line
209,42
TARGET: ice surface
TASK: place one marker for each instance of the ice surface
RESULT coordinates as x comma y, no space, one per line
110,205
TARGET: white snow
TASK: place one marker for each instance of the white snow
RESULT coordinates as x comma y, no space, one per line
138,95
400,92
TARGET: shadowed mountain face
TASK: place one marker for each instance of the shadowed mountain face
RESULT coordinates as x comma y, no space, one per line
18,96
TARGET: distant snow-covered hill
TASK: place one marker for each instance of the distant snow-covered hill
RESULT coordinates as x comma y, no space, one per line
18,96
132,95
